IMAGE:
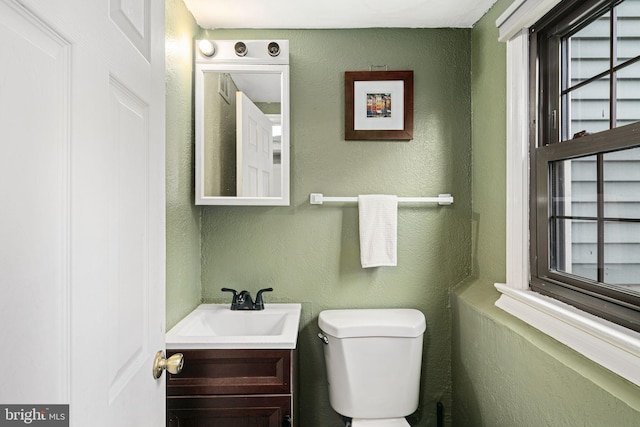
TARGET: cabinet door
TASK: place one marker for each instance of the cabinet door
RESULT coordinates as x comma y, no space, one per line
229,411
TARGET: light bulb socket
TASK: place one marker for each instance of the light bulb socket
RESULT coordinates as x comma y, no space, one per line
240,48
273,49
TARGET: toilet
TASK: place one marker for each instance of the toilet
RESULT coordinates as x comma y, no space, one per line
373,359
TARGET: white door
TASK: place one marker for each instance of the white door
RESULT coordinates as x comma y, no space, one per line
82,218
254,148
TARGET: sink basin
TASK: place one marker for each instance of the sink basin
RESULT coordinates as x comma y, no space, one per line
212,326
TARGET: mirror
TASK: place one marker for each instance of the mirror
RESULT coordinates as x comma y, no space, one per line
242,122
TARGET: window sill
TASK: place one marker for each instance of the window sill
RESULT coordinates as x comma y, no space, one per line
610,345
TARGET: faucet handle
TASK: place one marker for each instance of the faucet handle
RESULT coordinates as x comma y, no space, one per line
259,304
235,295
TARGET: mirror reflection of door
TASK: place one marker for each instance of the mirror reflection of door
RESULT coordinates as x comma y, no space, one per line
235,127
254,149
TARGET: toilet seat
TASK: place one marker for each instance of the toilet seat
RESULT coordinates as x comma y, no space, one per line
380,422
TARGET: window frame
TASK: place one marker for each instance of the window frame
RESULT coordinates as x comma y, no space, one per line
546,44
608,344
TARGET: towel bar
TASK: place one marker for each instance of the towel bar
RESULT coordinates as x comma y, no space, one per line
442,199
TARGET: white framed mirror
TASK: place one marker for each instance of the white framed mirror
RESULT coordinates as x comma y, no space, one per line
242,122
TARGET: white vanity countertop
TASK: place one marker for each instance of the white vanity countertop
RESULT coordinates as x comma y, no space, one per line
216,326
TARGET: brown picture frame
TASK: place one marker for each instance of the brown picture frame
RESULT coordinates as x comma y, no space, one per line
360,123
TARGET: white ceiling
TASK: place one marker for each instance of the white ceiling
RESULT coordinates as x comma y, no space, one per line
310,14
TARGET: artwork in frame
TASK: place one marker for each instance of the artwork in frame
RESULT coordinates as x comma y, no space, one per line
378,105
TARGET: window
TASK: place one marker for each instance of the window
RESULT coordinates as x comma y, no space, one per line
610,345
585,157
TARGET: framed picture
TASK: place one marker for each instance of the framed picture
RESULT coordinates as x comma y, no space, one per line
378,105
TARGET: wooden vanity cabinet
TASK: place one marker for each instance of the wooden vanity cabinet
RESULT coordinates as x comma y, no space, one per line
231,388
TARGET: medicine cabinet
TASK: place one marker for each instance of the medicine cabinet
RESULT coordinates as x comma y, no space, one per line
242,122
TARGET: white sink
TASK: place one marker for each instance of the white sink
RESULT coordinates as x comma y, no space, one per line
212,326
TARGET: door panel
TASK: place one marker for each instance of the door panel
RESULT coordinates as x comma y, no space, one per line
132,17
82,87
128,247
35,194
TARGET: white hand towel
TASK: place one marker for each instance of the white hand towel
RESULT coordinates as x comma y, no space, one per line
378,230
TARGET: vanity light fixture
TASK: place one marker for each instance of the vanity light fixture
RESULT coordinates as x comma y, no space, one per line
206,47
273,49
240,49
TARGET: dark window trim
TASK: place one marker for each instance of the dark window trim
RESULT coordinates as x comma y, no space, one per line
594,297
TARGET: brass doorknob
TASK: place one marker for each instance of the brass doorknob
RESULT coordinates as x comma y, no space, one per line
173,364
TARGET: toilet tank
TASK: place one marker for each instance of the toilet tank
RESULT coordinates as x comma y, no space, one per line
373,360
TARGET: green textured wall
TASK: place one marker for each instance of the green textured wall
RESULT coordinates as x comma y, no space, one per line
183,217
504,372
310,254
488,100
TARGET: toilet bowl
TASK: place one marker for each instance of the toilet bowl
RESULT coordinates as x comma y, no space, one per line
373,362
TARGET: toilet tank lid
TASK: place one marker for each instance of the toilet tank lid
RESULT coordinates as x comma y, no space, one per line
393,322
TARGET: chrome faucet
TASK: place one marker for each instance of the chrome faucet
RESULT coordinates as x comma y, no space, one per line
242,300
